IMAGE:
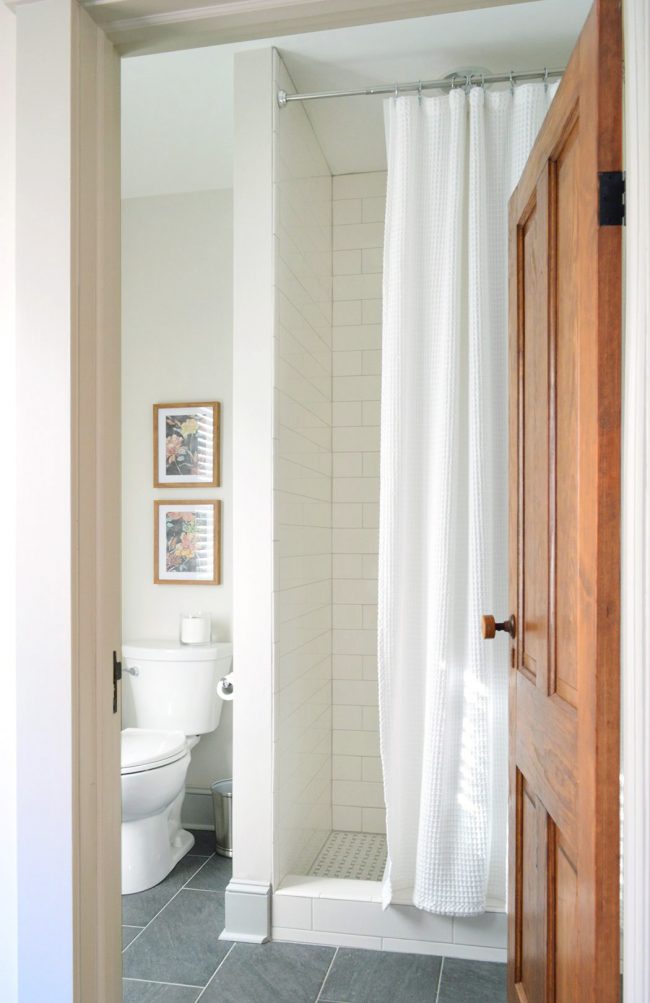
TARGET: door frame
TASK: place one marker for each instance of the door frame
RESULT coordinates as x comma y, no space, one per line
96,506
68,806
57,717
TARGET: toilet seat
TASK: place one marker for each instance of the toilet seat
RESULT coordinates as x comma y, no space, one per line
143,749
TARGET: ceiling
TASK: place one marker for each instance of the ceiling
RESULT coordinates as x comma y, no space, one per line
177,106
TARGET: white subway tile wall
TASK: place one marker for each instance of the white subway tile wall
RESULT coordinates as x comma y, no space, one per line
302,491
358,209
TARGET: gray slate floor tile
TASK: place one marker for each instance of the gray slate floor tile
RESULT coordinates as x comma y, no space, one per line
139,909
151,992
381,977
472,982
182,944
128,933
214,876
270,973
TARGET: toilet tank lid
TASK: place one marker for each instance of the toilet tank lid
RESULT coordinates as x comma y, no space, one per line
174,651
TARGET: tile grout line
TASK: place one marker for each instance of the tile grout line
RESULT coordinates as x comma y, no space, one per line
193,875
138,935
442,965
329,969
225,957
157,982
208,891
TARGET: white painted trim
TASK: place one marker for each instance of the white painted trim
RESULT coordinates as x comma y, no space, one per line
8,731
66,230
254,313
151,26
248,912
44,400
250,9
244,938
636,507
197,811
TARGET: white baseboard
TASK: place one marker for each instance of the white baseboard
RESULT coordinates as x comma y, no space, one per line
248,912
197,811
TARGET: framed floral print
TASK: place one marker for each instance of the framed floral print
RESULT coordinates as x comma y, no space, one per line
187,542
186,445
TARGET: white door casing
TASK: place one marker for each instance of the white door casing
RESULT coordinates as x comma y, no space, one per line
67,525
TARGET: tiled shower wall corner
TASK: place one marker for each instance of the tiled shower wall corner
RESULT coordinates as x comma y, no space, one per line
302,490
359,202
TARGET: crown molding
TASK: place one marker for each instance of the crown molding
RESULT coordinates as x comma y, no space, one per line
15,4
137,27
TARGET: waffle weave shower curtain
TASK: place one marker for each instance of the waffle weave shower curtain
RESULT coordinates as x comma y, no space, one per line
453,162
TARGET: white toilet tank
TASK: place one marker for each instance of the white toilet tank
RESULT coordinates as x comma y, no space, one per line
169,686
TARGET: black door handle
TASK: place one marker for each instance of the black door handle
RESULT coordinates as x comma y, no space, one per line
117,675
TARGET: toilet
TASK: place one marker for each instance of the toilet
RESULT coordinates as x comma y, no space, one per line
170,699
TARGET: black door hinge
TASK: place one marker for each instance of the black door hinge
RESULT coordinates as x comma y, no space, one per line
611,198
117,675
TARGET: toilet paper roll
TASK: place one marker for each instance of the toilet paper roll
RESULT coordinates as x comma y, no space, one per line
196,628
226,688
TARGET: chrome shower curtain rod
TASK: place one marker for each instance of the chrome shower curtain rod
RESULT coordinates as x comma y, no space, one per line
466,80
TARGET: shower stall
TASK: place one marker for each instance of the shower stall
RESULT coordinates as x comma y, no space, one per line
327,809
330,815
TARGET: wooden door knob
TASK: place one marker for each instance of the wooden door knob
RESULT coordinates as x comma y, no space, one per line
489,627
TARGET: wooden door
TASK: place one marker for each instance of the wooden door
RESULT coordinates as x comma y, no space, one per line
565,364
95,269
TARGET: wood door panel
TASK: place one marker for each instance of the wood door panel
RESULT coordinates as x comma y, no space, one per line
564,387
563,886
546,923
534,622
565,347
545,752
531,927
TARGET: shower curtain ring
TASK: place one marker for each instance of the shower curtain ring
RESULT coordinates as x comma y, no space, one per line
396,94
546,78
468,81
419,92
512,82
483,81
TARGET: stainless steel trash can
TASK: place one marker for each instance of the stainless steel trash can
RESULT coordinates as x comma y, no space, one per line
222,803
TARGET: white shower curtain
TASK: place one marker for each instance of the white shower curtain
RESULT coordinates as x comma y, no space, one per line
453,162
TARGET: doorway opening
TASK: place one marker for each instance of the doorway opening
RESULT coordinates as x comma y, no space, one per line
180,132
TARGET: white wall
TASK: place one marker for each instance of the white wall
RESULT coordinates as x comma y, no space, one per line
358,213
177,122
176,347
8,788
253,471
43,523
303,490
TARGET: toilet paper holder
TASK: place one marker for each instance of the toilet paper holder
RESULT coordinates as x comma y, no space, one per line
225,687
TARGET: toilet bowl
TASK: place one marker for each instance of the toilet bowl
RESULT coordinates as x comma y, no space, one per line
154,766
170,700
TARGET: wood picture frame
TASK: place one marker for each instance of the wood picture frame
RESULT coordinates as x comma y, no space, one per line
187,542
187,445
